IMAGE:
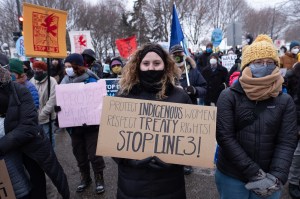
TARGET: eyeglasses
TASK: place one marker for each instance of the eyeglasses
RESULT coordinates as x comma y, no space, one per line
261,62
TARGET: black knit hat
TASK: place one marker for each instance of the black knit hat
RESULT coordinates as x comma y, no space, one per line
152,47
75,58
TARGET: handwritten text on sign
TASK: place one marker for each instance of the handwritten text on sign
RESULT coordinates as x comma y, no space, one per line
6,189
228,61
176,133
80,103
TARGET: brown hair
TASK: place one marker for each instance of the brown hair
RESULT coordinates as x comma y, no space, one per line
130,74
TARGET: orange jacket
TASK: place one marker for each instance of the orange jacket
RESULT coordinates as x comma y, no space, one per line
288,60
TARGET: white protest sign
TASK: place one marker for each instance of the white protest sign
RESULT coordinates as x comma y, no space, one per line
80,103
228,60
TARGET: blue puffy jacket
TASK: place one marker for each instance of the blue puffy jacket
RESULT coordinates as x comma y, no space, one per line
34,92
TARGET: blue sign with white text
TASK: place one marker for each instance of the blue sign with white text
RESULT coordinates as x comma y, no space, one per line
20,46
112,86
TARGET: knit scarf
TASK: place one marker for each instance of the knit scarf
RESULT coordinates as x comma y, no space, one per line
259,89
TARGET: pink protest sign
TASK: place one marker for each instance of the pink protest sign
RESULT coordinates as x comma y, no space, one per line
80,103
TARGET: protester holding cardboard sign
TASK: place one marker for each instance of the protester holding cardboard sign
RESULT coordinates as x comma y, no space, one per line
21,134
150,75
84,138
256,128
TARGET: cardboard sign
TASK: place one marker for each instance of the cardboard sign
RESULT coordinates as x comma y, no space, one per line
80,103
44,31
228,61
176,133
112,86
6,189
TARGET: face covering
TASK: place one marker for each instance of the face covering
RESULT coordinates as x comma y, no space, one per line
258,70
295,51
13,77
70,72
150,79
208,50
213,61
39,75
116,70
179,59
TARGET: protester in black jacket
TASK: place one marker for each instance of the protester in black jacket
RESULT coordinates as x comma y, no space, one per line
215,76
256,128
197,84
150,75
293,89
89,57
23,133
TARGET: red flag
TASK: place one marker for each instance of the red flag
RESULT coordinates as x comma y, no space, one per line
126,46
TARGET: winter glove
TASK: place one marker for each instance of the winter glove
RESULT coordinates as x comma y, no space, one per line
157,163
57,109
191,90
138,163
266,186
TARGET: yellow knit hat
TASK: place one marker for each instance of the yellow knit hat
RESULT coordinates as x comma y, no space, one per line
261,48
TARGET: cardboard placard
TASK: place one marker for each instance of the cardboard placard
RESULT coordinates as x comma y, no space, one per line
44,31
80,103
176,133
6,189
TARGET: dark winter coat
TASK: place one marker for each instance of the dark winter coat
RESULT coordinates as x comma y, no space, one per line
255,135
58,71
216,82
203,61
146,182
292,79
23,133
196,80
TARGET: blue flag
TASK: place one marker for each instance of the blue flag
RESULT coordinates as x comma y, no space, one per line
176,31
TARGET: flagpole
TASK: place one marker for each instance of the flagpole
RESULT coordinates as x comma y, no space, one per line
177,37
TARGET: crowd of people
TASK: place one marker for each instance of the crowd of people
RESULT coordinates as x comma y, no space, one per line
258,119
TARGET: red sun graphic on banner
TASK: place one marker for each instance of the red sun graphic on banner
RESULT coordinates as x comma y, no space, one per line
80,42
45,32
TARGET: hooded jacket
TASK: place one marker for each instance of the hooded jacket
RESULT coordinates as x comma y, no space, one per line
255,135
95,67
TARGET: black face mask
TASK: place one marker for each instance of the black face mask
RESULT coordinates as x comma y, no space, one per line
151,80
40,75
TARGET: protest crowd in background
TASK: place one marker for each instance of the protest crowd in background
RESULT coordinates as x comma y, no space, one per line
248,98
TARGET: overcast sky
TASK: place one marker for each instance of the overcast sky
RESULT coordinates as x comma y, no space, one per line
254,3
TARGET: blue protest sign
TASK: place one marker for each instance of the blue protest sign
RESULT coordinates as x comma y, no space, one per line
216,37
112,86
20,46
